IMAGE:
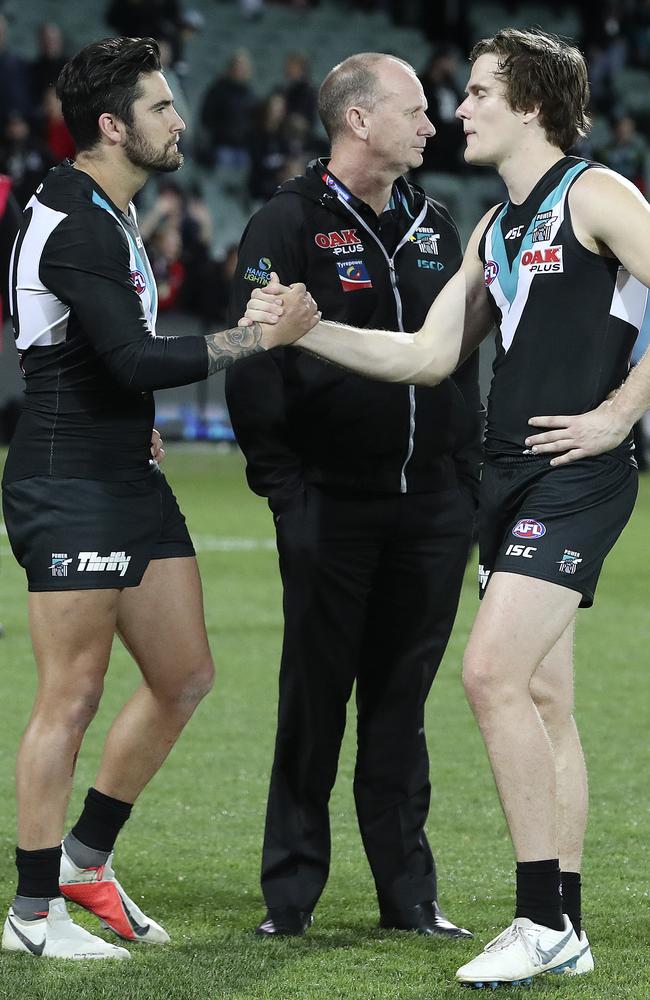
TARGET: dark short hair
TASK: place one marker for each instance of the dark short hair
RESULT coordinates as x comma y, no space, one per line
103,78
541,70
353,81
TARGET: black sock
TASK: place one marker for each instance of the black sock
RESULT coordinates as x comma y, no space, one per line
101,820
572,899
538,892
38,872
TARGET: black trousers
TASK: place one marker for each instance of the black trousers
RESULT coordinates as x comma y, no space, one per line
371,588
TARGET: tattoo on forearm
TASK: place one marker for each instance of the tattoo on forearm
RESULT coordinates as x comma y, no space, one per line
228,346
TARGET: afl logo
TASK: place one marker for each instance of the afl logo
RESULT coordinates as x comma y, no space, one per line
491,271
137,277
528,528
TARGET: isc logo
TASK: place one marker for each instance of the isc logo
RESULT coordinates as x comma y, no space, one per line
521,550
528,528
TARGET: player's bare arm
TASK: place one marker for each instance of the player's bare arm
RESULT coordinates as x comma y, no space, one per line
455,325
611,217
227,346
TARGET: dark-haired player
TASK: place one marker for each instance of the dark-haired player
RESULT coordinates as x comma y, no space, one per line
89,517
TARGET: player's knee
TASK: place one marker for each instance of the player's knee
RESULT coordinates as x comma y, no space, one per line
74,711
485,687
190,688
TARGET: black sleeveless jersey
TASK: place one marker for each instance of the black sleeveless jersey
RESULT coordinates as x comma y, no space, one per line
566,318
83,305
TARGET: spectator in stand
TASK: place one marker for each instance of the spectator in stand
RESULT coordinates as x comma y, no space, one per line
269,147
227,113
10,219
189,214
165,251
145,18
209,284
443,94
299,93
57,137
14,81
605,48
627,152
166,19
23,157
50,60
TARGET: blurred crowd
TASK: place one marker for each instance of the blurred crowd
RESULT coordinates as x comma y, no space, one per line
247,144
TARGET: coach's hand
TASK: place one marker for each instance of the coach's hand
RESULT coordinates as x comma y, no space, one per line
578,436
284,313
157,450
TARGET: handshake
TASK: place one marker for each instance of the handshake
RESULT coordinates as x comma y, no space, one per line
284,314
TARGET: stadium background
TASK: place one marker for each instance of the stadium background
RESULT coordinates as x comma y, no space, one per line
192,847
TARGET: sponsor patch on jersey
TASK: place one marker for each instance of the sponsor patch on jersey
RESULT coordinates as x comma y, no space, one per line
259,275
60,563
483,576
542,226
92,562
426,239
525,551
353,275
529,528
569,562
337,240
431,265
514,233
491,271
546,261
139,283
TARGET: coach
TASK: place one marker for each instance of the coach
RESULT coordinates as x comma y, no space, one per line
372,489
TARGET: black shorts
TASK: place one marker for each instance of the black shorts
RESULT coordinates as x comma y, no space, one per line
89,534
555,524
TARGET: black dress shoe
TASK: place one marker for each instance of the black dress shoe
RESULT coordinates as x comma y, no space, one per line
284,921
425,918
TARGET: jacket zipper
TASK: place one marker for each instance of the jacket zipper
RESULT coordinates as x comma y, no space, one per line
398,304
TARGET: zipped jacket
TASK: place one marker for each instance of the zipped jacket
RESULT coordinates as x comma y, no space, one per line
301,420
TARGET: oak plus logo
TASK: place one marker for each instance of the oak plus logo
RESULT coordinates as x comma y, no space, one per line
546,261
92,562
339,242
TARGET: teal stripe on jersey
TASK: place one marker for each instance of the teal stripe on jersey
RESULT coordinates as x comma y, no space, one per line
508,277
142,262
98,200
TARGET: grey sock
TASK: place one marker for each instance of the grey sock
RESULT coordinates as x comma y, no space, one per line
31,907
82,856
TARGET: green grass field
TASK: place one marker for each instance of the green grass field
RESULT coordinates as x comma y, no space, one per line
190,853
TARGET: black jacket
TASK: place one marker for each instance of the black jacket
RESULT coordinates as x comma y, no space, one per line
301,420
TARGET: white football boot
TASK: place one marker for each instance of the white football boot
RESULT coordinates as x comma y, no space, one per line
56,936
519,953
585,961
97,890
